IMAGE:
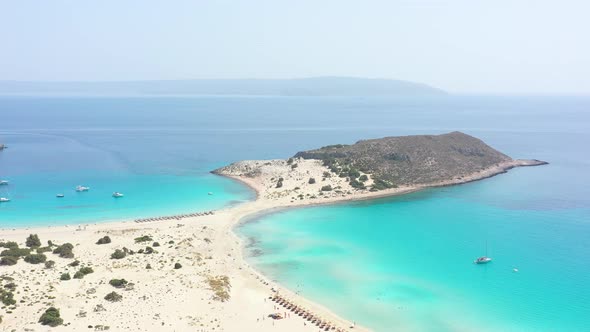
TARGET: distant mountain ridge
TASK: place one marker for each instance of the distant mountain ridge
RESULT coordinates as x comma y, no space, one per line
318,86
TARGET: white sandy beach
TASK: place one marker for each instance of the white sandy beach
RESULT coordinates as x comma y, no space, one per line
166,299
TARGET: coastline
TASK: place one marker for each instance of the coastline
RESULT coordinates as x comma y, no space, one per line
250,289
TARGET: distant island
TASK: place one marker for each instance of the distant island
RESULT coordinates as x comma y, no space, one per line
318,86
376,167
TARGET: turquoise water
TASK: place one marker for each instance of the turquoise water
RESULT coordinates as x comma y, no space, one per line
393,264
406,263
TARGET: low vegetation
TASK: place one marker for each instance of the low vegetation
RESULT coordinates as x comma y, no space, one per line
51,317
65,250
118,254
145,238
35,258
220,286
326,188
113,297
33,241
8,260
118,283
104,240
7,297
83,272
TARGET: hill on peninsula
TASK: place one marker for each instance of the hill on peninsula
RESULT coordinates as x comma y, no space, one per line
409,160
317,86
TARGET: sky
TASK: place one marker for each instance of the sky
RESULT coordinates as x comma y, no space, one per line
462,46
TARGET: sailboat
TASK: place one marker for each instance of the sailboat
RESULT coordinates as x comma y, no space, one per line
483,259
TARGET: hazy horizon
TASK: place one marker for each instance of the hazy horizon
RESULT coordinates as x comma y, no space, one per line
463,47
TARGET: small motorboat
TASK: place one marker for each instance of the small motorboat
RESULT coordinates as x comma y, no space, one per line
59,195
4,199
210,193
117,194
482,260
3,182
82,188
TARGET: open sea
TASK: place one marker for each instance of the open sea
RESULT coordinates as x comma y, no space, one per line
394,264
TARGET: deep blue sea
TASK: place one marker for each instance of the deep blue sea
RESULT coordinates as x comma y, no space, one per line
396,264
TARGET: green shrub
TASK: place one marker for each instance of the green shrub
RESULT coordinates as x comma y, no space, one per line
144,238
8,260
49,264
379,184
177,266
33,241
363,178
9,244
41,250
113,297
353,173
35,258
104,240
148,266
15,252
155,244
289,161
74,263
51,317
65,250
118,254
327,188
118,283
7,297
82,272
149,250
10,286
65,276
279,184
311,181
356,184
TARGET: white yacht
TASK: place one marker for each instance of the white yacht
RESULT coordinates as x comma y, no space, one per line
482,260
3,182
3,199
117,194
82,188
59,195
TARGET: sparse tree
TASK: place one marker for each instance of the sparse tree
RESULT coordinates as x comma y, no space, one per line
33,241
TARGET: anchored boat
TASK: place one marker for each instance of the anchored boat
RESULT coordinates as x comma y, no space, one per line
117,194
82,188
483,259
3,199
